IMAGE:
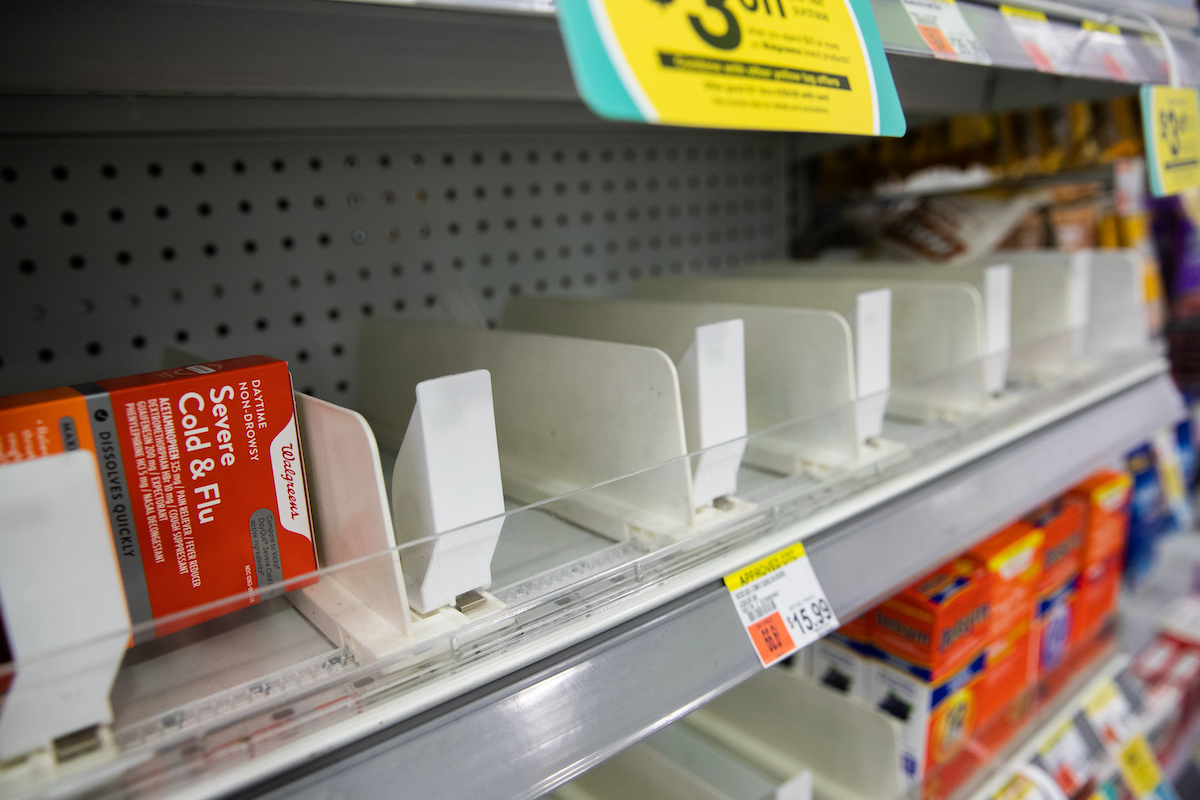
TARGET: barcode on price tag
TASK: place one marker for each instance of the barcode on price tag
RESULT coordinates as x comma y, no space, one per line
781,604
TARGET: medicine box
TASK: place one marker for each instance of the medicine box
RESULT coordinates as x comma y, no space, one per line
201,475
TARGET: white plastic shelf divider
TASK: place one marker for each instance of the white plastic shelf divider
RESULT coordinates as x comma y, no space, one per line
533,729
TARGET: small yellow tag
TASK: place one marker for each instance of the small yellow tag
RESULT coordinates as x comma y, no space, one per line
1102,697
736,580
1139,767
1092,25
1013,11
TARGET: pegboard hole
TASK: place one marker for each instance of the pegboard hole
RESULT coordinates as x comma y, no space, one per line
364,273
282,204
210,249
324,240
314,164
261,324
69,218
343,386
287,243
218,290
297,319
124,258
385,161
77,262
398,304
278,165
333,314
337,350
430,300
245,206
155,169
168,254
350,162
222,330
302,355
116,214
45,355
182,335
138,342
318,202
162,212
257,287
60,173
204,209
198,168
27,266
367,309
177,296
8,174
239,167
250,246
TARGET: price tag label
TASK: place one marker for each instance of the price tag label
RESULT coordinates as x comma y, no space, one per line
789,65
1109,713
942,26
1113,51
781,604
1065,755
1037,38
1171,125
1139,769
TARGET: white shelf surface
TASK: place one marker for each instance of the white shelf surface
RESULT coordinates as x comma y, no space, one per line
633,647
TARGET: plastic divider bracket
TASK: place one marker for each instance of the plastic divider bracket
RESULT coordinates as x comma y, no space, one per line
67,635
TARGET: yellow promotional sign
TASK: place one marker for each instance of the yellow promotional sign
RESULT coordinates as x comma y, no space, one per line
811,65
1171,124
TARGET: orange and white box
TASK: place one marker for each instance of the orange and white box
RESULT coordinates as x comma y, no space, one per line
1012,559
201,476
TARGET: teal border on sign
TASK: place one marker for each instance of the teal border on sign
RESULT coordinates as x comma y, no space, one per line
595,76
1146,94
891,115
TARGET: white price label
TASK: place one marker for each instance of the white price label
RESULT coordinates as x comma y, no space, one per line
1110,715
942,26
781,604
1037,38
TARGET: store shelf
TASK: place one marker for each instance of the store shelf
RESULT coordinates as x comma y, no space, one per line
671,648
365,54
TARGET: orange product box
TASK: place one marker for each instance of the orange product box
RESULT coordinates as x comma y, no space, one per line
938,623
200,473
1062,527
1012,560
1106,517
1095,597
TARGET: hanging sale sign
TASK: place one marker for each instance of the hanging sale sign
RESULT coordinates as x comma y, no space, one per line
786,65
1171,126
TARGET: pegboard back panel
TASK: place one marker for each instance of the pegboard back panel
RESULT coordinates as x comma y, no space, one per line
114,249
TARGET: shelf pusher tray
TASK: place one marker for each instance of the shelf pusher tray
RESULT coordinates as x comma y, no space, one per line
233,700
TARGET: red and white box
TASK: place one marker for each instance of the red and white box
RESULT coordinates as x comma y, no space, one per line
200,472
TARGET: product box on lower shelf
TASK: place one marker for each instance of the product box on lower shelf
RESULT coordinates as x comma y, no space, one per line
932,641
1012,559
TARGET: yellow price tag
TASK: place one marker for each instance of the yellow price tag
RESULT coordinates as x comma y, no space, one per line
798,65
1092,25
1139,768
1023,13
759,569
1171,124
